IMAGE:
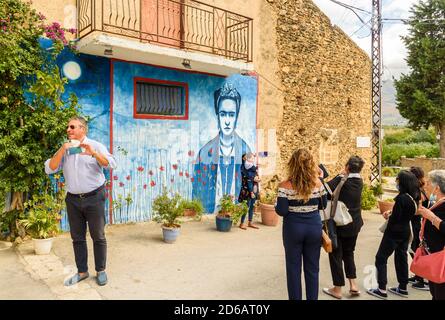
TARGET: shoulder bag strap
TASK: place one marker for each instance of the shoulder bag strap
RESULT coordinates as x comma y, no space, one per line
424,220
336,195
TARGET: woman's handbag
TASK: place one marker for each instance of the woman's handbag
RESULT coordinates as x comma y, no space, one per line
329,230
326,242
430,266
335,208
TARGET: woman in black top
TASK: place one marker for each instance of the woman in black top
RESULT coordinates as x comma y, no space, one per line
351,196
434,232
396,236
418,282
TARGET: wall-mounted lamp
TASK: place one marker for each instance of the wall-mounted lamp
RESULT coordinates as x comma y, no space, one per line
108,51
186,64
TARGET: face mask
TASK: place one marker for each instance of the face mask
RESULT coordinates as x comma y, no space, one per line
433,198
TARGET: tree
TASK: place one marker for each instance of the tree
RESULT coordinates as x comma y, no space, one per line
420,94
33,112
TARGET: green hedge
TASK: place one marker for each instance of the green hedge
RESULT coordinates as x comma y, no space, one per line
391,153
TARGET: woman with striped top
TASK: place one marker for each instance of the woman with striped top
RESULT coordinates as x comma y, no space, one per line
299,200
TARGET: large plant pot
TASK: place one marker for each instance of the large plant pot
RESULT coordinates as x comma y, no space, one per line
170,234
385,206
43,246
189,213
223,224
268,215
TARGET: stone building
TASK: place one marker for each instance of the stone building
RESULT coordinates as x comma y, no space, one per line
153,75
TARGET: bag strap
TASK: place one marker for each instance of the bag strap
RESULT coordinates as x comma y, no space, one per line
422,228
336,195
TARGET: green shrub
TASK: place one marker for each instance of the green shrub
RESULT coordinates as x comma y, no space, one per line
167,209
368,199
391,153
377,190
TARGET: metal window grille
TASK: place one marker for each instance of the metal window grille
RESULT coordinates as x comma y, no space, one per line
159,99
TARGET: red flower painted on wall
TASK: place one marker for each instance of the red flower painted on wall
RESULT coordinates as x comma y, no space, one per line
187,174
140,169
191,153
150,172
198,171
203,183
172,180
204,168
213,167
199,179
175,166
192,179
152,183
161,168
121,184
115,177
128,177
145,186
181,173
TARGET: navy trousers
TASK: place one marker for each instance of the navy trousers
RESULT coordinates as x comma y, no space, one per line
302,243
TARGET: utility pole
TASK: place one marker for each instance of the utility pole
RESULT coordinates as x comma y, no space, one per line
376,94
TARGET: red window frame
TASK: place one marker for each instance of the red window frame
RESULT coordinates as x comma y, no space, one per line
160,116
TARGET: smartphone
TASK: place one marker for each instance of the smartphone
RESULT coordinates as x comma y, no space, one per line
74,150
325,172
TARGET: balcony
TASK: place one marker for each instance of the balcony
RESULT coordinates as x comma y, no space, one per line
160,26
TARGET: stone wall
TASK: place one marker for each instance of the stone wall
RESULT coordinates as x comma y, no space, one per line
325,79
427,164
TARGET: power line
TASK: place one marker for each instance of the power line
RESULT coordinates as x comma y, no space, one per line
352,9
350,6
363,25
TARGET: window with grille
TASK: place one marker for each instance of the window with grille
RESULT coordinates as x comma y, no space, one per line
159,99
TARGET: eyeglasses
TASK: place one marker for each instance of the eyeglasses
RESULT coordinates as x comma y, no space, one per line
72,127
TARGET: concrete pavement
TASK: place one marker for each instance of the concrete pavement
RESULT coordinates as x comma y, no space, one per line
202,264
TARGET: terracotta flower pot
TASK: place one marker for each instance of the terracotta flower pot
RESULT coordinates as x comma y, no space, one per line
385,206
268,215
189,213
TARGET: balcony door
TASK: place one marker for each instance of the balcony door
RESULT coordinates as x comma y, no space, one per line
161,21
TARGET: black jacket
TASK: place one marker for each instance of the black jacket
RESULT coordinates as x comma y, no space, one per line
351,196
435,238
399,221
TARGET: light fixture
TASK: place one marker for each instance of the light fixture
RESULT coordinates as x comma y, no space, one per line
186,64
108,51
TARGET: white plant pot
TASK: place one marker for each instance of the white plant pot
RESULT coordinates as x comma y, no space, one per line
43,246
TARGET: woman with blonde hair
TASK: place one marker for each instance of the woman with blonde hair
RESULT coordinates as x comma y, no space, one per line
300,198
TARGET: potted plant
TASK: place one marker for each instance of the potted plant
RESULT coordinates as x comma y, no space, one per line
193,208
386,204
43,219
167,210
229,213
267,206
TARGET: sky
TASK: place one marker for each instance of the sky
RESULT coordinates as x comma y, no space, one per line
394,51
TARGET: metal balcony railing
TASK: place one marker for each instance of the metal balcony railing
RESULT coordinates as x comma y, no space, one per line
184,24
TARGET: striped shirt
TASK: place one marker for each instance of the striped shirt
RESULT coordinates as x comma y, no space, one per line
290,202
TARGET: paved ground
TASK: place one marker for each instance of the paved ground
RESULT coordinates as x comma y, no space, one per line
202,264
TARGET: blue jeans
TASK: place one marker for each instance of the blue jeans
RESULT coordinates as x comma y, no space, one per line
251,204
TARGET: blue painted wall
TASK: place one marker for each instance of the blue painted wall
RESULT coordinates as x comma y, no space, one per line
152,153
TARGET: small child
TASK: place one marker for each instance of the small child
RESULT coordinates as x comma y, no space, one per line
251,171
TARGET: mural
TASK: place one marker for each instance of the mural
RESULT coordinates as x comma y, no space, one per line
217,167
198,157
